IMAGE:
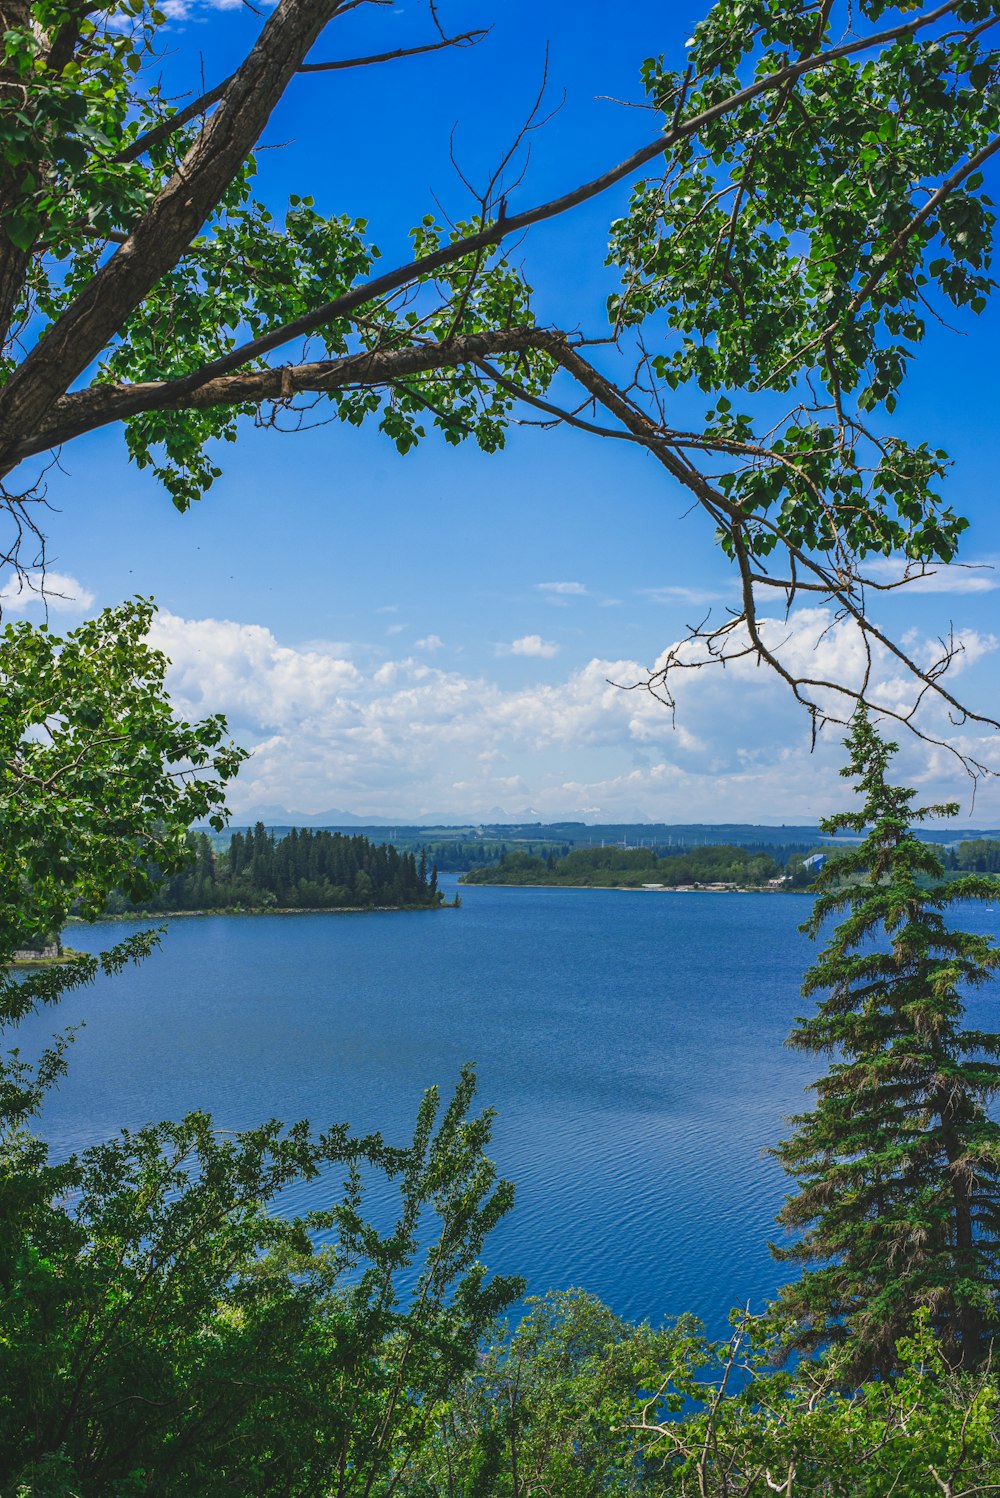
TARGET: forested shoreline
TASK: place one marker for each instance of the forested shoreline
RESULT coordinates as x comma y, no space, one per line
304,870
784,870
633,868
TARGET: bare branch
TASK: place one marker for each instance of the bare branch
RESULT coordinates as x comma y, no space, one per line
166,127
740,635
463,39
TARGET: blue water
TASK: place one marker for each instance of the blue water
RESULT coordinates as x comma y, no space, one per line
631,1043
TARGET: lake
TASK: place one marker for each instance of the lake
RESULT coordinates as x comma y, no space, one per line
631,1043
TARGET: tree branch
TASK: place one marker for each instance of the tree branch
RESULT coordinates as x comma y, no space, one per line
844,588
86,410
170,223
464,38
176,215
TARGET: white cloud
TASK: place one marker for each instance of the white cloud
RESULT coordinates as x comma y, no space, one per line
58,591
242,667
670,595
575,590
532,645
187,10
430,642
408,738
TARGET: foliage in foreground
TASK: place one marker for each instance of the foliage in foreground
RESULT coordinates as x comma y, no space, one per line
576,1402
282,1384
163,1330
164,1327
99,779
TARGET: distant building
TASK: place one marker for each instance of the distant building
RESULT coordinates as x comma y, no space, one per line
814,861
50,952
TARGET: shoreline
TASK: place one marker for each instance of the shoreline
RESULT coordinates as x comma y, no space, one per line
638,889
176,915
23,964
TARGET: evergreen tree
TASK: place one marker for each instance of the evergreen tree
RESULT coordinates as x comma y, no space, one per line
898,1165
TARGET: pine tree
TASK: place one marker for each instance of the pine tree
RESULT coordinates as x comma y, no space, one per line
898,1166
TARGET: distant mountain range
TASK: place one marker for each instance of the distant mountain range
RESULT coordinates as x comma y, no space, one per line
280,816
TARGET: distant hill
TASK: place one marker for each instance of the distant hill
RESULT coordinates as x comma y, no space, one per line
581,834
457,848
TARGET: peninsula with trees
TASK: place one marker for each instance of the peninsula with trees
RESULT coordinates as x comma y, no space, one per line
712,866
640,868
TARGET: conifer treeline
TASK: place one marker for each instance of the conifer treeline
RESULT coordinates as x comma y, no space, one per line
304,870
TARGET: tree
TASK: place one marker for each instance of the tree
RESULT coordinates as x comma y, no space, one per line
897,1168
164,1330
550,1405
928,1432
805,198
99,782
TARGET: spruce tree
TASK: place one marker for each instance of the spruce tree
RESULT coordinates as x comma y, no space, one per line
897,1168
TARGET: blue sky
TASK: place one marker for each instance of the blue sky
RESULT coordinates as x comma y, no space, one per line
432,635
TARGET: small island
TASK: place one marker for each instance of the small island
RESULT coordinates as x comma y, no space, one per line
302,870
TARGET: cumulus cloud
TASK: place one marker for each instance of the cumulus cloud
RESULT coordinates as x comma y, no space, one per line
57,591
430,642
243,668
410,738
532,645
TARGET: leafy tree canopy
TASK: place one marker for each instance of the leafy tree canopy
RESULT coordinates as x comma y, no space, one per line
812,190
99,781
